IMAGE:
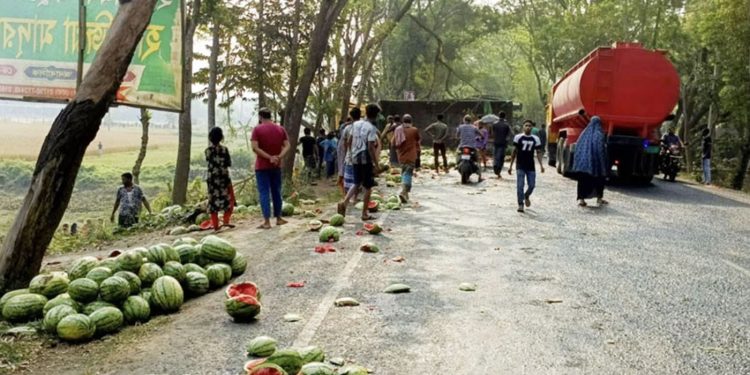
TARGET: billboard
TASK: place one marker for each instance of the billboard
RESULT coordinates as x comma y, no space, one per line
39,51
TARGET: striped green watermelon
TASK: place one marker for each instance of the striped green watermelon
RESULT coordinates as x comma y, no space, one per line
146,295
107,320
170,254
267,369
217,249
239,265
175,269
312,354
242,307
133,280
62,299
10,295
81,267
143,252
199,258
49,285
130,261
96,305
24,307
261,346
149,272
99,274
196,283
156,255
192,267
317,368
227,270
83,290
76,327
188,253
167,294
216,275
110,263
184,241
288,359
114,289
136,309
55,315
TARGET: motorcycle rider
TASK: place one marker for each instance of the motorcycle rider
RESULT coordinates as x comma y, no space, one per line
467,135
671,139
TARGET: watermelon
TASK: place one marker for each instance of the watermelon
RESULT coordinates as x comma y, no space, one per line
149,272
261,346
329,234
96,305
175,269
372,228
110,263
317,368
227,269
114,289
239,265
136,309
24,307
353,370
314,225
218,250
62,299
156,255
10,295
99,274
312,354
369,247
196,283
242,307
242,289
170,254
55,315
288,359
216,275
200,259
253,363
192,267
268,369
337,220
184,241
133,280
83,290
142,252
75,327
287,209
187,253
107,320
167,294
146,295
49,285
130,261
81,267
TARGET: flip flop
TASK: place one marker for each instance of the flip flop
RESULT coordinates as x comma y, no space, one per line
368,218
229,225
264,226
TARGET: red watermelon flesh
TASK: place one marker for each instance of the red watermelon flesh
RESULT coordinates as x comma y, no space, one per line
250,365
372,204
242,289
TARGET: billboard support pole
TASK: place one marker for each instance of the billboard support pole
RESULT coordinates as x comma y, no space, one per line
81,41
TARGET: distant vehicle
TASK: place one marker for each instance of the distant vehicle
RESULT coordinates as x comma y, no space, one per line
633,90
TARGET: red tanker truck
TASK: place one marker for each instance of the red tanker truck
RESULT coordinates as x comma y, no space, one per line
632,89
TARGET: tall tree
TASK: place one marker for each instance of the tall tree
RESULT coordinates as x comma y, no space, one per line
215,9
182,169
145,120
64,147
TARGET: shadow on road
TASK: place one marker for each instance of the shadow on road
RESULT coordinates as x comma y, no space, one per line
676,192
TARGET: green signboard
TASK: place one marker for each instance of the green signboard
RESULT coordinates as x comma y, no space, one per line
39,51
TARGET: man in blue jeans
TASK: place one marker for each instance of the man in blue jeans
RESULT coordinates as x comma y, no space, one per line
500,133
525,146
270,143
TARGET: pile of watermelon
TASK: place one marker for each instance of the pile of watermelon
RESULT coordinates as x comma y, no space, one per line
268,359
98,297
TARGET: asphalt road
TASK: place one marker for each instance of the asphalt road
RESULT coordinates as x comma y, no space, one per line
655,283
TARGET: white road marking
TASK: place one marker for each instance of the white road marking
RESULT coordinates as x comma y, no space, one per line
308,332
737,267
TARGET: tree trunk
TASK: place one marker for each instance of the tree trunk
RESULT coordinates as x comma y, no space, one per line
259,56
63,149
739,176
213,62
326,18
182,169
145,123
294,64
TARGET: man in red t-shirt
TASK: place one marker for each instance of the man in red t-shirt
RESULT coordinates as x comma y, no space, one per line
270,144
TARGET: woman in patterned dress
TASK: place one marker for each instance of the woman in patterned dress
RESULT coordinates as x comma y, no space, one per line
220,190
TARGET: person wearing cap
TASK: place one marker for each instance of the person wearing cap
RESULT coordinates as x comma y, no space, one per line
407,145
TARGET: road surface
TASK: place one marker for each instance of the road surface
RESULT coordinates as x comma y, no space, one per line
656,282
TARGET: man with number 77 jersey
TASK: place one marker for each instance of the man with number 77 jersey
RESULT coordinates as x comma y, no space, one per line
526,145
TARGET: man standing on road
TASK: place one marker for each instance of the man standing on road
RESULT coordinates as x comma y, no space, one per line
707,147
438,130
129,199
342,163
270,143
321,137
407,145
501,134
363,143
309,154
525,146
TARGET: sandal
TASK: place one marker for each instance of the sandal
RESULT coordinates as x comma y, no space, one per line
264,226
601,202
368,218
582,203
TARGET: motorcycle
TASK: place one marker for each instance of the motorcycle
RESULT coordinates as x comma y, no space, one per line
671,160
467,164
